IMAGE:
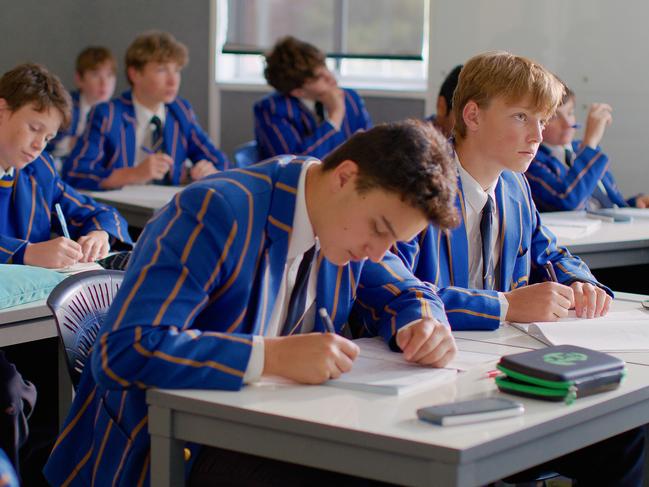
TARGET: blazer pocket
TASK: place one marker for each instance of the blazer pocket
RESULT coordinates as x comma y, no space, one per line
111,443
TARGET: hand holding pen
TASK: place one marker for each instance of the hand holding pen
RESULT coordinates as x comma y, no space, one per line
156,166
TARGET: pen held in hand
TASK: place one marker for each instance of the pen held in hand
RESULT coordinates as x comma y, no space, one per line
326,320
64,226
550,268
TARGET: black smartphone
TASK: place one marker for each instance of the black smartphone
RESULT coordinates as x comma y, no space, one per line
472,411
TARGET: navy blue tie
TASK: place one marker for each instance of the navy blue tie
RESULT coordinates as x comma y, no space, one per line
486,225
297,303
156,135
319,111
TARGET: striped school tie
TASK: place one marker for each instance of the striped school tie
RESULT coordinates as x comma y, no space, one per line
486,225
297,302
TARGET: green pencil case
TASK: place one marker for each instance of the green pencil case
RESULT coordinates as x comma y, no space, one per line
559,373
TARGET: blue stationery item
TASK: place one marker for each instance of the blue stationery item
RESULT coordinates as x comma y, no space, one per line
20,284
64,226
609,214
327,320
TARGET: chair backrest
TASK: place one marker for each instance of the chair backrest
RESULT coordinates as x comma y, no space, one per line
79,304
246,154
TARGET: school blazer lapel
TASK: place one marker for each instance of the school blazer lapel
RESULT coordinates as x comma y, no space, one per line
279,226
458,244
510,216
128,125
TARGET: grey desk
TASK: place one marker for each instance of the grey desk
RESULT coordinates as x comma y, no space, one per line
611,245
30,322
136,203
379,437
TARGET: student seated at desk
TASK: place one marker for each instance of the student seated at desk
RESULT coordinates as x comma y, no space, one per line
95,78
444,119
569,174
308,114
224,284
491,268
147,133
33,104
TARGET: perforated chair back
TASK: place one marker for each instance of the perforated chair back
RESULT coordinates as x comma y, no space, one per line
246,154
79,304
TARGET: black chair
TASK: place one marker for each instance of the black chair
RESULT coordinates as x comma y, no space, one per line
79,304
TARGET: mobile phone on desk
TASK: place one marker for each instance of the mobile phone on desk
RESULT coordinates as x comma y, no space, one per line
472,411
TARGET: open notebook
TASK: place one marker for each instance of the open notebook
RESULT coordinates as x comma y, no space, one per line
616,332
573,228
379,370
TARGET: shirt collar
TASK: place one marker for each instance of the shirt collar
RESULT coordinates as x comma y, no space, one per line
9,172
143,114
474,195
302,236
559,151
310,104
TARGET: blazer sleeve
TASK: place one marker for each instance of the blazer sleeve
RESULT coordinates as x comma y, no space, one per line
466,309
570,189
84,215
390,297
86,165
199,145
277,135
182,262
12,250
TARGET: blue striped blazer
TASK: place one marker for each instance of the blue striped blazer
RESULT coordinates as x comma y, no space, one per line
27,210
74,122
557,187
284,125
203,280
441,257
108,142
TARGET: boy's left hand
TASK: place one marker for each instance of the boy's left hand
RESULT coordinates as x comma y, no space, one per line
427,342
94,246
590,301
201,169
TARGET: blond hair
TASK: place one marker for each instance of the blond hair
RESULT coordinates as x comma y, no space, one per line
155,46
502,74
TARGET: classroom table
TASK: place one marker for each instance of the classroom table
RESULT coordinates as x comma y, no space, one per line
30,322
379,437
611,245
136,203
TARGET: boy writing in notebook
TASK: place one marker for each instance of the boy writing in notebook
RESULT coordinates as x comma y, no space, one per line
569,174
94,77
500,263
147,133
33,105
224,285
309,113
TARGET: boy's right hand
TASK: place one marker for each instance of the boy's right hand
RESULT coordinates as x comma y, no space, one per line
155,166
599,117
547,301
334,103
312,358
59,252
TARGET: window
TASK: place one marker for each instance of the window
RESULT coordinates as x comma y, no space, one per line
377,44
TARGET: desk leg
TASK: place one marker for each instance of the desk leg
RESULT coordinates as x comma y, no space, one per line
66,391
167,462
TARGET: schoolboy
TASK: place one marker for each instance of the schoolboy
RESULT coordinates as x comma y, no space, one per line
224,284
33,104
94,77
492,267
147,133
444,119
308,114
568,174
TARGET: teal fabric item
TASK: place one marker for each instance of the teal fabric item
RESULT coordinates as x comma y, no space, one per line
21,284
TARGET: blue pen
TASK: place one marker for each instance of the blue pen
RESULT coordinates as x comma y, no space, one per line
64,226
326,320
146,149
576,126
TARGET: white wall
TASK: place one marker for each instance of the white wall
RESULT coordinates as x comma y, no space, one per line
598,47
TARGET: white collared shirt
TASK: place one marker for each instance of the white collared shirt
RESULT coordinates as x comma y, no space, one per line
144,128
302,239
9,172
310,104
475,199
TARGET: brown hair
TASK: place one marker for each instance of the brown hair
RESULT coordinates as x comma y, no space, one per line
291,63
155,46
33,84
409,158
92,57
499,73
